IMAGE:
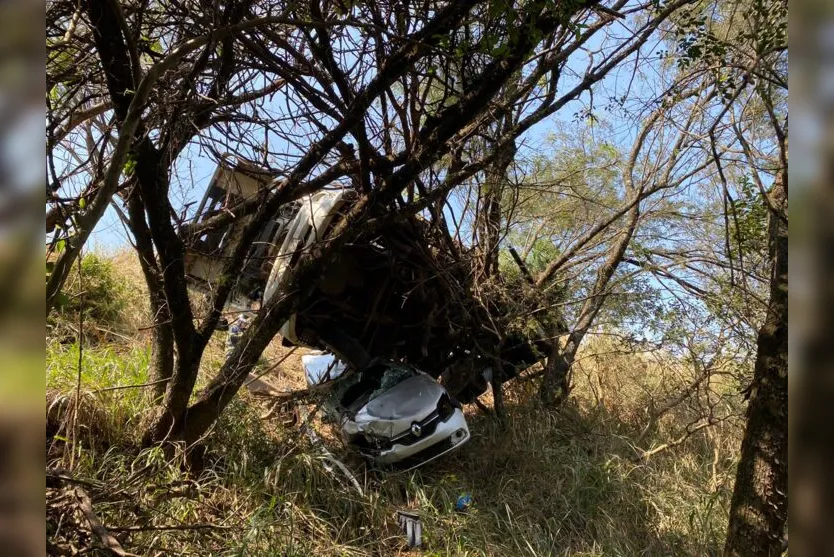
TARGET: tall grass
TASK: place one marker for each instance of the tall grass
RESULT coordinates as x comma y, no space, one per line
106,296
566,482
108,416
550,483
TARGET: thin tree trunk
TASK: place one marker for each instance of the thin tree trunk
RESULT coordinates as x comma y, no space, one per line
556,383
759,507
162,343
162,352
488,219
169,420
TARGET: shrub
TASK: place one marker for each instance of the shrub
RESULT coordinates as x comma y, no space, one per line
103,291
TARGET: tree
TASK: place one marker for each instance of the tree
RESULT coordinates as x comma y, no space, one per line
595,234
759,506
738,52
759,509
136,87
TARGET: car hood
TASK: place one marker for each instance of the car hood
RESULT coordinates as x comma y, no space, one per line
393,412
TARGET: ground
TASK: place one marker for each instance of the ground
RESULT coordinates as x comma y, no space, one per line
547,483
571,481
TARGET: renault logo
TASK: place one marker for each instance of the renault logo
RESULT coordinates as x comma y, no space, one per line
416,430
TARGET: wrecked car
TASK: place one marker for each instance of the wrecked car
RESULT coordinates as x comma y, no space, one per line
382,297
315,214
391,413
402,293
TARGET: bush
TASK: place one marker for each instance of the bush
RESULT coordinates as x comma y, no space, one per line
109,299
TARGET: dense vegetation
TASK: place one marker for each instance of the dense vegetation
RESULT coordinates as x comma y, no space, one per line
609,182
577,481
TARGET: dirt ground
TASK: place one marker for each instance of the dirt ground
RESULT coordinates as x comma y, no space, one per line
281,369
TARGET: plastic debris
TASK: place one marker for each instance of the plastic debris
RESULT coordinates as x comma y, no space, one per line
463,503
412,528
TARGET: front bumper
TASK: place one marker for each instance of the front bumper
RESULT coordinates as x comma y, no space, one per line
447,436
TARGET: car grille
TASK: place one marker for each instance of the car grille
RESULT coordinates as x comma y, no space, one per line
425,455
427,427
445,408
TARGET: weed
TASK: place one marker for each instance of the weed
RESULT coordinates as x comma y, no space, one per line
566,482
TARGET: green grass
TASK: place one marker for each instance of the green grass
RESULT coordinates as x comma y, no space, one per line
101,366
550,483
107,416
566,482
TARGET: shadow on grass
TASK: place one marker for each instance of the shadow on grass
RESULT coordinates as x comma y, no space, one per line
549,483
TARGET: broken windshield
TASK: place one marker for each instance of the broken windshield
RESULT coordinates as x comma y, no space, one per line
393,375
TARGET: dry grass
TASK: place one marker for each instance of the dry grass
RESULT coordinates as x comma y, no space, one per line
111,290
567,482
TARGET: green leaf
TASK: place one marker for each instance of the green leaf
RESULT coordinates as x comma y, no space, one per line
82,203
60,245
130,166
61,300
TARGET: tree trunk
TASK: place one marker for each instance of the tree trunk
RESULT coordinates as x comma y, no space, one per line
162,342
555,384
168,422
488,219
162,352
759,507
200,416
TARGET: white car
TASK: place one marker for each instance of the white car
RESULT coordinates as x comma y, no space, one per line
391,413
315,214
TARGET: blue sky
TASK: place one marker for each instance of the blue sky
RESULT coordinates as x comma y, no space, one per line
195,168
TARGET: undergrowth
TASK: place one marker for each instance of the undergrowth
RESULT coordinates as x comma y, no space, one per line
566,482
105,296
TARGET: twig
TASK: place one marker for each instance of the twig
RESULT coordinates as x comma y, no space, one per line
80,361
271,411
59,474
498,394
168,527
315,440
484,408
270,368
85,505
679,441
532,375
288,396
114,333
136,386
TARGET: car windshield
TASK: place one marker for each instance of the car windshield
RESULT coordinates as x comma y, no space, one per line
358,389
393,375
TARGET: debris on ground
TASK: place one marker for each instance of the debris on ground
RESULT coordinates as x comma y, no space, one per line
463,503
411,527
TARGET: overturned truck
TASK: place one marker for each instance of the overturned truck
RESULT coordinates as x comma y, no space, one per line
401,294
